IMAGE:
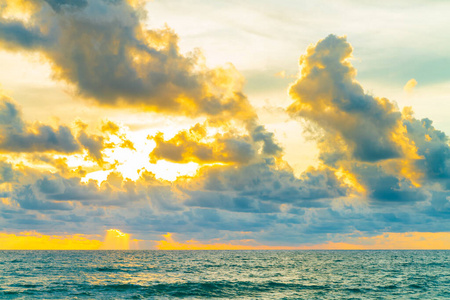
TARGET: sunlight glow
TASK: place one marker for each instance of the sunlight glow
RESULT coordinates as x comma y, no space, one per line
99,176
130,162
116,240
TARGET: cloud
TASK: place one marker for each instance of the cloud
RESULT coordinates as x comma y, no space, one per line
194,145
115,130
53,191
26,197
221,201
260,134
110,127
15,35
40,141
7,173
221,198
103,48
388,153
17,136
432,145
410,85
281,74
354,123
58,188
377,172
383,186
94,144
261,188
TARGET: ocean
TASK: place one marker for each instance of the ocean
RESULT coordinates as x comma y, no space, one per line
225,274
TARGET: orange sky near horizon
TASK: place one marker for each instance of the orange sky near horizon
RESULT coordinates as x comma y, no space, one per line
114,239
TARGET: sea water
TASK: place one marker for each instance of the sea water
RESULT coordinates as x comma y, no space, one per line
225,274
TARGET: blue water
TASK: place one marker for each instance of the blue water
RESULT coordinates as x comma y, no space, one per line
225,274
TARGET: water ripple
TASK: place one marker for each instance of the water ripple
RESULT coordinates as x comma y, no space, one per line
225,274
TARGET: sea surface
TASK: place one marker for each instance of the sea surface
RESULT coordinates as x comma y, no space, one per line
225,274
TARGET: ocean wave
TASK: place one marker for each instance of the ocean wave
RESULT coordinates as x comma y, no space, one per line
226,275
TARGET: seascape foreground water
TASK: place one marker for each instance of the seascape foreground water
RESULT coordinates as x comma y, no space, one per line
225,274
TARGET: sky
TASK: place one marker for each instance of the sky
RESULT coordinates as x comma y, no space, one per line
133,124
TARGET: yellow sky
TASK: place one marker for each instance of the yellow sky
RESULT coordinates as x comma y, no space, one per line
114,239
